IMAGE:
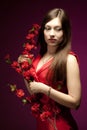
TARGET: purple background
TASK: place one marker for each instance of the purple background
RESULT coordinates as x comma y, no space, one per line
16,18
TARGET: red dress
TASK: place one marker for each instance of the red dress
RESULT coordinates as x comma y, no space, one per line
64,119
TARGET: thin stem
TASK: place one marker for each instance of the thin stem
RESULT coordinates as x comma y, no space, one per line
53,123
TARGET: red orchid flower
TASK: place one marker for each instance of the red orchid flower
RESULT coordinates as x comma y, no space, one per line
20,93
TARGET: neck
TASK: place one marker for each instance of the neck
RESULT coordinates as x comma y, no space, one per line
51,50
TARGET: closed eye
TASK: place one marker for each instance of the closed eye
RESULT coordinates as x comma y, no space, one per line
47,28
58,29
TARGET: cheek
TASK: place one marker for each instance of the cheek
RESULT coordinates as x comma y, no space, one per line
60,35
45,34
45,38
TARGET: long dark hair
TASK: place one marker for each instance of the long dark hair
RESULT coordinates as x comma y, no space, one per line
58,66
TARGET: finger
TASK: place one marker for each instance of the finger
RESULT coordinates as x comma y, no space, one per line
22,58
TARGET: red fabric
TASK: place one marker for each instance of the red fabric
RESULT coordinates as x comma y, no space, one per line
64,121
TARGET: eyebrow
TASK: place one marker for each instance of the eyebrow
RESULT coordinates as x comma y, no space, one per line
54,26
57,26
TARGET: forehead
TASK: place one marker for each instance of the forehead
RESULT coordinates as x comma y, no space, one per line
54,22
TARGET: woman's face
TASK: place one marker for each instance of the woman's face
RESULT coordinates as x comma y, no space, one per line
53,33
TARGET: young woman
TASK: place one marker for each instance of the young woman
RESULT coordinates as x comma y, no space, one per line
57,70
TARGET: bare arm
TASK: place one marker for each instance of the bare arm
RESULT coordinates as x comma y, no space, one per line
72,99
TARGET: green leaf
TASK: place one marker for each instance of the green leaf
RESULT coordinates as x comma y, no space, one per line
8,61
29,61
24,101
12,87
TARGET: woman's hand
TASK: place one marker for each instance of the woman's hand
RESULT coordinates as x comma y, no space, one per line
36,87
22,58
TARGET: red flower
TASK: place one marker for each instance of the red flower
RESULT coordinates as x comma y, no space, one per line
26,74
31,99
18,70
47,107
7,57
33,74
45,115
36,32
35,29
35,107
30,36
36,26
28,47
15,64
33,42
20,93
25,52
25,65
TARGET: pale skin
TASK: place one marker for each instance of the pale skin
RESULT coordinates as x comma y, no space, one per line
53,35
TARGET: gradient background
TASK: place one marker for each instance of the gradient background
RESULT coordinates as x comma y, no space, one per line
16,18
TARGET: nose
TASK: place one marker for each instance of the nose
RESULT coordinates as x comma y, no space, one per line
52,33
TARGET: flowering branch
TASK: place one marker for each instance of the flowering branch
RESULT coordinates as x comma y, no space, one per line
41,105
24,68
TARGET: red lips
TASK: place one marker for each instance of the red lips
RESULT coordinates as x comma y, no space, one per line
52,40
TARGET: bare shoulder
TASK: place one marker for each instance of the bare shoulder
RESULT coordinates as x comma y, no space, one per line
72,62
71,59
73,70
